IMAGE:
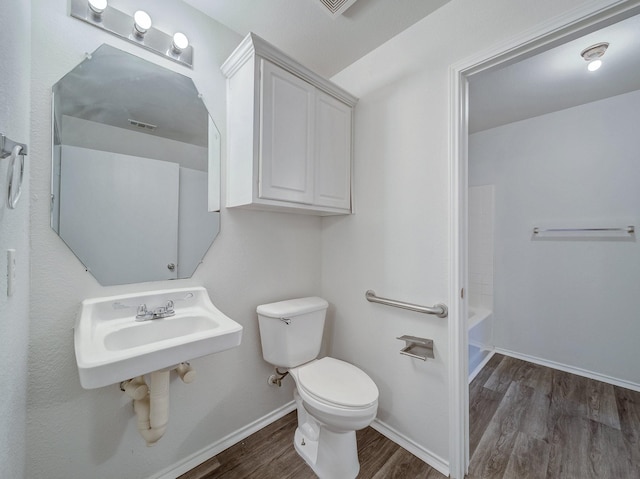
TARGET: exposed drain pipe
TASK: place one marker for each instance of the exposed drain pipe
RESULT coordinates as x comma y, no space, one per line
153,409
151,403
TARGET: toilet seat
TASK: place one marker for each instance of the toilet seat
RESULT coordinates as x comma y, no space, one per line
337,383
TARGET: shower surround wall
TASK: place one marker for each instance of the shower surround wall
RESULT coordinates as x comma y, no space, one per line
257,258
481,220
15,61
572,302
481,232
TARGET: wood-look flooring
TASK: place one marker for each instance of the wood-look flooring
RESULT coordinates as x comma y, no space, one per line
526,422
532,422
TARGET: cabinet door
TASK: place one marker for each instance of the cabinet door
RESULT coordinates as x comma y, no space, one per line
286,130
332,152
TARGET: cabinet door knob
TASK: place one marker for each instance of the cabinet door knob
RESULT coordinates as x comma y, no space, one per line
171,266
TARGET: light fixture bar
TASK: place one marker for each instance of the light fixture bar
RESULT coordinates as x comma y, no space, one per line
121,25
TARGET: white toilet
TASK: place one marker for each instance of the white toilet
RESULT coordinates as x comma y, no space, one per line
334,398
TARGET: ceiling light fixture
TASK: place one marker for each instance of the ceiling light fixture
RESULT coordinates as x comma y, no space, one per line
593,55
141,23
594,65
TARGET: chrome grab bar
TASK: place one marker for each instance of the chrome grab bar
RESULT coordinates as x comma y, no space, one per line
439,309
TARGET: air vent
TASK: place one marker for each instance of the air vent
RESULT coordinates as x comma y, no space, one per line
336,7
142,125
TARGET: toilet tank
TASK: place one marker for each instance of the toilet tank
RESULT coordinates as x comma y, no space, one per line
291,331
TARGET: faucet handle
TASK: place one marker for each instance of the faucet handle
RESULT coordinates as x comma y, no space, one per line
142,310
169,307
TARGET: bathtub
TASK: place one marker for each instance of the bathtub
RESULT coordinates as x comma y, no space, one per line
480,326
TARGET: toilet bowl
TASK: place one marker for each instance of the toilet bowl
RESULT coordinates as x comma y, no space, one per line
334,398
337,393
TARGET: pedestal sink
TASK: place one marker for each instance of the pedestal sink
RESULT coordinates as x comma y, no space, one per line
111,346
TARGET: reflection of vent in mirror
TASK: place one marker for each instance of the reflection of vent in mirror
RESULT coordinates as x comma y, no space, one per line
143,125
134,200
336,7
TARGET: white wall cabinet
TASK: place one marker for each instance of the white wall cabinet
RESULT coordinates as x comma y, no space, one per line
289,134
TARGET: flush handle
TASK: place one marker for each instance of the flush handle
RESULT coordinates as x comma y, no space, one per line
286,321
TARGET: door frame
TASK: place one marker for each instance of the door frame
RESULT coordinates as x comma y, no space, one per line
591,16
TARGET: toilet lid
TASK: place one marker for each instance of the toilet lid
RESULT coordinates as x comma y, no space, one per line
338,382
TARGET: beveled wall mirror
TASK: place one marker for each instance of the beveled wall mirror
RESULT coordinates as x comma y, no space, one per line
135,188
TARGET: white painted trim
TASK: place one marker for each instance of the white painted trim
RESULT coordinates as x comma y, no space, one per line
561,28
417,450
458,306
574,23
252,45
571,369
217,447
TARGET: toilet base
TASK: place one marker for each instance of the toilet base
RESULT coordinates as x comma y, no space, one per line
332,456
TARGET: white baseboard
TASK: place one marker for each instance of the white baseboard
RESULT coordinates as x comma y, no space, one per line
217,447
420,452
571,369
235,437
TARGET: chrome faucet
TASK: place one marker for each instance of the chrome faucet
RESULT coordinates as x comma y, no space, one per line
165,311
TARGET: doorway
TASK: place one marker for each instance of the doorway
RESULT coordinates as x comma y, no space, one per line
564,30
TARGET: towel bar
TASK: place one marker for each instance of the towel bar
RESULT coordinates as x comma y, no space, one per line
627,229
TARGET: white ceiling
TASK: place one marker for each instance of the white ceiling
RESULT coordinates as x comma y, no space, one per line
306,31
557,79
550,81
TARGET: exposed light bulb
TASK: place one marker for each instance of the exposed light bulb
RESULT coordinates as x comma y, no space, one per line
180,42
593,54
594,65
141,22
98,6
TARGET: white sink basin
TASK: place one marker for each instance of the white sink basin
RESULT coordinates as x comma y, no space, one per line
111,346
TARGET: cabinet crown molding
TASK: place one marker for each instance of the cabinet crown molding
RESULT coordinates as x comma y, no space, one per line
252,45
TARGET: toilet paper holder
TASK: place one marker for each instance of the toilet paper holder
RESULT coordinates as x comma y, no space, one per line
418,348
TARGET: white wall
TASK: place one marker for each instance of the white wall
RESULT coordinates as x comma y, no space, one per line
258,257
397,242
571,301
15,57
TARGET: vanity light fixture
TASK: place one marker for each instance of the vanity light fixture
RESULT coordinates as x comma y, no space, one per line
98,6
179,43
136,28
141,23
593,55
